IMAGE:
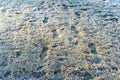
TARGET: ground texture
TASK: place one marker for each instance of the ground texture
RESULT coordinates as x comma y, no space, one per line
59,40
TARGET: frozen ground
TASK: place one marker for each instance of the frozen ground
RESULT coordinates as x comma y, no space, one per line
59,39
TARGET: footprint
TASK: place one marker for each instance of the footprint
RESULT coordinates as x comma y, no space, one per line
56,67
112,19
65,7
95,60
38,74
7,73
45,20
77,14
44,52
92,48
54,33
73,29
